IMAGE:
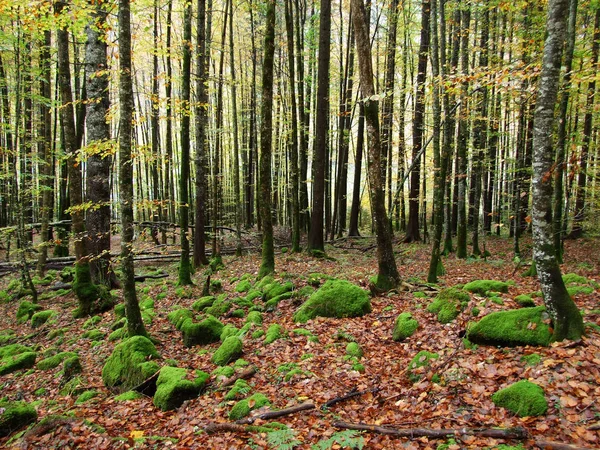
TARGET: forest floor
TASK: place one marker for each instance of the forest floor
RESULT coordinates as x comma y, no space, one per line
461,397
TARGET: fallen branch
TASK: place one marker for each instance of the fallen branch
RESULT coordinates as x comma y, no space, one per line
275,414
227,427
496,433
249,372
353,393
548,445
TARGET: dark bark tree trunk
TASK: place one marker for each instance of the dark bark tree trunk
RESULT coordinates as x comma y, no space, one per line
266,135
135,325
99,160
294,174
201,123
316,242
567,320
155,161
303,118
387,277
559,200
185,267
170,167
412,228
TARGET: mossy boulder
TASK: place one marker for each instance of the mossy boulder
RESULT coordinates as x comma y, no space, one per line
276,289
526,326
173,387
26,310
86,396
16,357
448,304
203,302
130,363
179,316
71,367
54,361
254,317
128,396
336,298
482,287
220,306
243,286
230,349
14,416
264,281
421,359
228,330
41,317
274,332
272,303
524,300
523,398
404,327
240,389
243,407
354,350
205,332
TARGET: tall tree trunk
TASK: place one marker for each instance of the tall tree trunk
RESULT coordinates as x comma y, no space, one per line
201,123
135,325
294,175
580,196
387,277
315,238
355,208
412,229
303,118
559,200
567,320
169,163
99,160
185,267
266,134
155,158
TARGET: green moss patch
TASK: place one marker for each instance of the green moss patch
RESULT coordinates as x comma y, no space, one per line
276,289
86,396
230,349
532,359
26,310
240,389
130,363
522,398
14,416
336,298
526,326
173,388
93,335
482,287
228,330
220,306
54,361
272,303
448,304
254,317
421,359
404,327
243,286
274,332
179,316
6,336
205,332
244,407
204,302
41,317
315,279
524,301
16,357
128,396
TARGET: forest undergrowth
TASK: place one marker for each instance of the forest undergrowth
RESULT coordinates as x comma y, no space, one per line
453,392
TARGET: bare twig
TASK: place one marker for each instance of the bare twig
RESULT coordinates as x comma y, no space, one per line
275,414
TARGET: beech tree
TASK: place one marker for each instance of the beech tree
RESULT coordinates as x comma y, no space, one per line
568,323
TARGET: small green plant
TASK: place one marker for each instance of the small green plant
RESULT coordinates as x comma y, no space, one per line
344,439
284,439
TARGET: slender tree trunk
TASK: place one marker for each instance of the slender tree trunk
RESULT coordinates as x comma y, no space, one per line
559,201
155,158
303,118
567,320
185,268
135,325
412,229
170,166
355,208
266,135
387,277
315,238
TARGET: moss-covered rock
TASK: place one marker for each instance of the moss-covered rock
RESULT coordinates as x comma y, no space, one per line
274,332
120,310
483,286
404,327
243,286
203,302
147,303
354,350
448,304
16,357
240,389
41,317
91,322
26,310
228,330
526,326
128,396
254,317
252,295
86,396
93,335
54,361
264,281
315,279
130,363
230,349
272,303
336,298
421,359
522,398
243,407
524,301
14,416
71,367
6,336
179,316
573,278
220,306
173,388
275,289
205,332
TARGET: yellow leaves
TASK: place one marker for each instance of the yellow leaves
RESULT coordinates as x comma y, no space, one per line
136,434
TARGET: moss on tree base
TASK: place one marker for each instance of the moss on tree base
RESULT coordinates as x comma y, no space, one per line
92,298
